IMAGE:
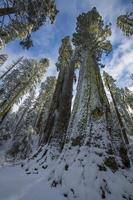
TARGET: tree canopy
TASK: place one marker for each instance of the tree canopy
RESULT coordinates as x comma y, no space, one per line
19,18
125,23
92,34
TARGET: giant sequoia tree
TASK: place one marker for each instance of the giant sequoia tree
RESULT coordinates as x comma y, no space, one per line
92,143
18,19
59,114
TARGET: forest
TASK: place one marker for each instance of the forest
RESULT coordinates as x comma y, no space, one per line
66,100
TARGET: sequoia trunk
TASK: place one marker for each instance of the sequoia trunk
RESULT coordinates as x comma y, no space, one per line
58,119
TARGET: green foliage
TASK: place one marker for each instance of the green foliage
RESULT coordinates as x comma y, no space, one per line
92,34
125,23
27,42
24,17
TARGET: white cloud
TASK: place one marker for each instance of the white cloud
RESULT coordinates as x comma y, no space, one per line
120,66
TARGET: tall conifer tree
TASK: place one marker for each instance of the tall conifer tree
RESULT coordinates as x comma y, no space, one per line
93,147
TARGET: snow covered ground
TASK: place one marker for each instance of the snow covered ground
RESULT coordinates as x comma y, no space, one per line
15,184
77,171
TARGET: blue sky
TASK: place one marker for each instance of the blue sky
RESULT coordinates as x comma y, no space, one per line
48,38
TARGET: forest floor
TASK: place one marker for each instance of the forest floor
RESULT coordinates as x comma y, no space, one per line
15,184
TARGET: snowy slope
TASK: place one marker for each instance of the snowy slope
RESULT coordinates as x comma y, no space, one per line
75,175
80,175
17,185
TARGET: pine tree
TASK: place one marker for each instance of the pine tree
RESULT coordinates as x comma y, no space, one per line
19,82
6,128
24,110
24,17
125,23
125,105
29,121
116,98
11,67
38,114
93,147
91,38
42,105
128,95
21,143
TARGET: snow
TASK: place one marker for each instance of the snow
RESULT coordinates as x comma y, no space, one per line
44,157
15,184
76,172
82,179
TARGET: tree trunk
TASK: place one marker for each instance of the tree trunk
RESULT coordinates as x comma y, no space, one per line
59,115
91,122
91,102
20,120
7,11
41,121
